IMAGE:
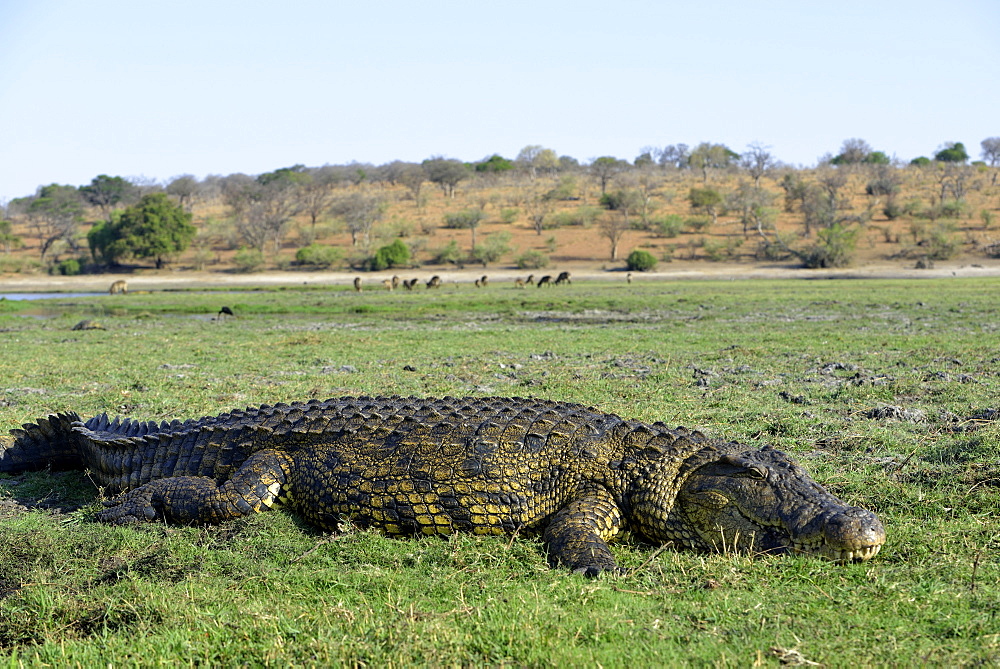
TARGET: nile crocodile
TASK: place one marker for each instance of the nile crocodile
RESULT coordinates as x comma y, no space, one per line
405,466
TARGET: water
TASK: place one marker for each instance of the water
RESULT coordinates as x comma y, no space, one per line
44,296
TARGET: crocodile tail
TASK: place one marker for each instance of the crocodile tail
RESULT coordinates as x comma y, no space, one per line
50,442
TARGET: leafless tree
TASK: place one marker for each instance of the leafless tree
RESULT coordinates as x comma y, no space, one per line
413,177
757,162
613,227
261,207
361,211
315,194
831,180
754,207
953,178
852,152
673,156
537,207
991,154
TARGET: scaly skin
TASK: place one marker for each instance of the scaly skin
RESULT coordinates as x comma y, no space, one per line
489,466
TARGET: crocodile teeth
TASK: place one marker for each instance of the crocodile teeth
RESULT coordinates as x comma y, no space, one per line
860,554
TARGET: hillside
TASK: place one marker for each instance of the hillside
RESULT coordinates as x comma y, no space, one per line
940,214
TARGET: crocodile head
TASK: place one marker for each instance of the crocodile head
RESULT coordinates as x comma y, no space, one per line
761,501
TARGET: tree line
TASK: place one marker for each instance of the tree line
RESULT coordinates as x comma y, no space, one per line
134,220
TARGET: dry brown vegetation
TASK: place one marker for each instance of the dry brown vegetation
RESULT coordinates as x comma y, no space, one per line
938,212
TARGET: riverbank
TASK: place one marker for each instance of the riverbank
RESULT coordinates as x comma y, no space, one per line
675,271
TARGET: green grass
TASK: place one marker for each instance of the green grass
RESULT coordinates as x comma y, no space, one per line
809,366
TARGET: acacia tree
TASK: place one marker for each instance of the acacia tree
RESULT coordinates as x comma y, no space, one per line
952,152
106,193
534,158
54,213
446,173
470,218
707,156
183,188
155,228
707,200
606,168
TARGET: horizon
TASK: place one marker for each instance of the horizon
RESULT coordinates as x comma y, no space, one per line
223,89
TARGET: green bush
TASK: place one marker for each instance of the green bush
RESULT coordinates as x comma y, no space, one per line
448,254
68,267
392,255
717,251
641,261
581,216
934,241
892,209
532,260
953,208
248,260
698,224
492,248
667,226
467,218
319,255
834,247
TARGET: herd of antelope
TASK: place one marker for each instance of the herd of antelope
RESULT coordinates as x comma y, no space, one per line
482,282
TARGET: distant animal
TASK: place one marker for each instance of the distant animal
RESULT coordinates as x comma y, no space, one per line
409,284
545,280
88,324
435,282
563,278
357,283
482,281
395,281
628,277
519,283
388,284
530,281
225,311
118,287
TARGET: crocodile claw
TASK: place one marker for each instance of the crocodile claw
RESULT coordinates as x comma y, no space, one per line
128,510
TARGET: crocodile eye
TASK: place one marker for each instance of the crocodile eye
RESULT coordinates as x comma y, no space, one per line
755,473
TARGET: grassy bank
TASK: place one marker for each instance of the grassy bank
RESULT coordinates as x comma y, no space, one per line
885,390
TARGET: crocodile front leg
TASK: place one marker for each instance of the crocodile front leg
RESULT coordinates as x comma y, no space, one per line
579,533
200,500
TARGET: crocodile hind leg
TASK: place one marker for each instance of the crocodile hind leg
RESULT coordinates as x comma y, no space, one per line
577,537
200,500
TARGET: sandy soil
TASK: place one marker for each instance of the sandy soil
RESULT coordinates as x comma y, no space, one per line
185,279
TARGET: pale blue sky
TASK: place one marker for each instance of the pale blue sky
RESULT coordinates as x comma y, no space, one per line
158,89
